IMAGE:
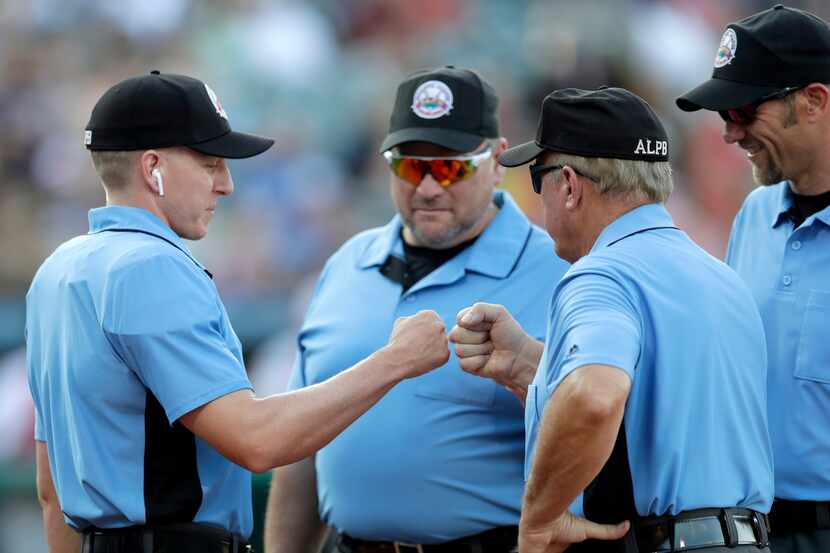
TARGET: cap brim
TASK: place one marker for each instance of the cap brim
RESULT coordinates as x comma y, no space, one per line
720,94
521,154
448,138
233,145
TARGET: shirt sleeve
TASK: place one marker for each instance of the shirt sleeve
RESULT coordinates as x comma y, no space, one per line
165,319
733,237
593,323
298,378
40,433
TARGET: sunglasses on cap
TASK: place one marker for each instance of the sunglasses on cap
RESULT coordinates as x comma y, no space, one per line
445,170
537,173
746,114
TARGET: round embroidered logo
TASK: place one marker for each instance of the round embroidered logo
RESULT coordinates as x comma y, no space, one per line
217,105
432,100
726,50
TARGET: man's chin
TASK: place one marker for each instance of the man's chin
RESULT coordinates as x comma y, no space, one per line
766,176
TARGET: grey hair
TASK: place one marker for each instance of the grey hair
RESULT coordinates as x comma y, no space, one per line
113,167
624,178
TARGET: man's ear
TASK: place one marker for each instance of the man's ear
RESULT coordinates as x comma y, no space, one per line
150,161
817,98
498,149
574,188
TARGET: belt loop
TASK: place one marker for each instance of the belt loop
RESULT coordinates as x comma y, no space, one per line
730,532
760,520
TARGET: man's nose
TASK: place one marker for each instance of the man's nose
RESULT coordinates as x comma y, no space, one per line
429,187
733,132
223,183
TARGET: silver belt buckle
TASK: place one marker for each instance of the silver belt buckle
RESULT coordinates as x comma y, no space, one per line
401,547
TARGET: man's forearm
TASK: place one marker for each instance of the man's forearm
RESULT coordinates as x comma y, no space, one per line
525,366
308,419
292,522
60,537
576,436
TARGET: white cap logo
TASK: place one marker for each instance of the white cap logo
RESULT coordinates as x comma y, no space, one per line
432,100
727,48
216,103
87,138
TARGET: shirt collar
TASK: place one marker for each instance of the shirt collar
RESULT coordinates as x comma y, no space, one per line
494,253
787,202
638,219
122,218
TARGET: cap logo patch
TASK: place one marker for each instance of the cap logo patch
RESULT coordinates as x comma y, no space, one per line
87,138
651,147
216,103
433,99
727,48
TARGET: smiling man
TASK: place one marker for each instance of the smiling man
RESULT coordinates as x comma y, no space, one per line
770,85
438,467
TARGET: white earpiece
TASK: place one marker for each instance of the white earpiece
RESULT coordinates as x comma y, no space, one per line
159,180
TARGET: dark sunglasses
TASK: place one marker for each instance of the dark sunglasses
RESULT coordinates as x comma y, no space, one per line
537,173
445,170
746,114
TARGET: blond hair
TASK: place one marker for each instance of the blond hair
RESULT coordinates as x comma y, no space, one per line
624,178
113,167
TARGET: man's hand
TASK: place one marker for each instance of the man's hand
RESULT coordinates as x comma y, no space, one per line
418,343
568,529
491,344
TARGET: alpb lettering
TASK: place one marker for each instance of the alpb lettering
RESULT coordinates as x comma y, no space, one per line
652,147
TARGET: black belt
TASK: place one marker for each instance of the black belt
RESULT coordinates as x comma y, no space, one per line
496,540
689,530
788,517
173,538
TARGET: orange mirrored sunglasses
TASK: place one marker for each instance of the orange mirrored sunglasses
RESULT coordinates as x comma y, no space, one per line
445,170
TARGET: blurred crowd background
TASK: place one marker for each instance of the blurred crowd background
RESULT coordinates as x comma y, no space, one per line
320,77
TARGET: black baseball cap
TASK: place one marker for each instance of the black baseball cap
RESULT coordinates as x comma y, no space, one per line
164,110
762,54
606,122
449,106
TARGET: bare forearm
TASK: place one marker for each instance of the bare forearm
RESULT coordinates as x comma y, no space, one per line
525,366
295,425
292,522
575,440
60,537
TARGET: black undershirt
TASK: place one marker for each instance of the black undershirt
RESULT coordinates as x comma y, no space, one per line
804,206
420,261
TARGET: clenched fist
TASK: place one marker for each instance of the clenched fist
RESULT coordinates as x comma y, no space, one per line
491,344
419,343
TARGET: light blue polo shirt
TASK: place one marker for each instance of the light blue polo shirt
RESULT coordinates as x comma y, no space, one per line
440,456
684,328
125,334
788,273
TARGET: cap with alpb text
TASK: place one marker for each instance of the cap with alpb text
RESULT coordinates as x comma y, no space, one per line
448,106
606,122
762,54
165,110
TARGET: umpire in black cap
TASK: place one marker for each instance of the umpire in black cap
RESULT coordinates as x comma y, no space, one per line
770,86
147,427
632,368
